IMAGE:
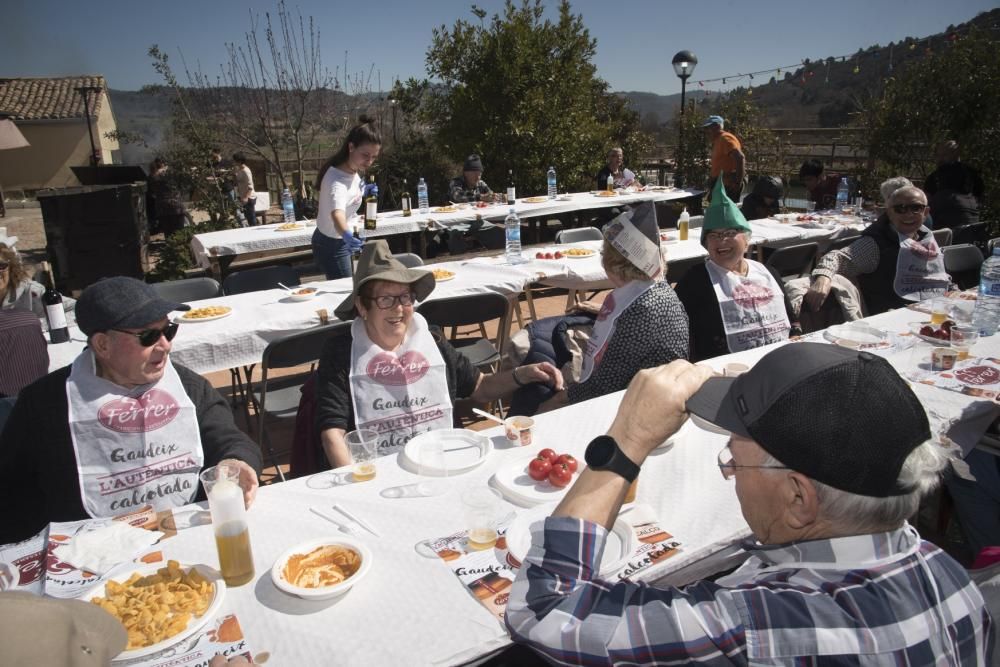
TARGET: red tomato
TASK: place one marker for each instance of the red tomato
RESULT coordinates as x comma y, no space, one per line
560,475
549,255
539,255
539,469
548,454
569,460
557,255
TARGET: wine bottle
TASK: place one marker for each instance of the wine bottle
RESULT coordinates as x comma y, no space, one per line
405,203
371,204
511,191
54,311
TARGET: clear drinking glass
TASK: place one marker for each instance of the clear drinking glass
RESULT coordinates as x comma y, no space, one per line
481,506
962,340
363,444
229,522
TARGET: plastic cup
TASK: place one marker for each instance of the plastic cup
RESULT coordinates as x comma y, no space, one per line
962,340
363,444
518,430
939,311
810,206
734,369
229,522
480,505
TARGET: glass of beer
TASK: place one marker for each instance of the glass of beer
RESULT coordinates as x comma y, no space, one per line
962,340
229,521
481,505
363,444
939,311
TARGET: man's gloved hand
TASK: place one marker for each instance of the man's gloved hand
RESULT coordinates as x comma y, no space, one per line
353,244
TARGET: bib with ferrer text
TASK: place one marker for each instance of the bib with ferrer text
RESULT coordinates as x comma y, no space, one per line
402,393
752,306
920,272
614,305
133,447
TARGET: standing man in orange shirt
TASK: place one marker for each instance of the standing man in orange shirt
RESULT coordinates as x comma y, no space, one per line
727,157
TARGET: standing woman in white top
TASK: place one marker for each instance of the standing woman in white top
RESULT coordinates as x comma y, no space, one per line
340,195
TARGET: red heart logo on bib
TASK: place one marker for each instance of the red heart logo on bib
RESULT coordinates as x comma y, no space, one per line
752,295
978,375
386,368
152,410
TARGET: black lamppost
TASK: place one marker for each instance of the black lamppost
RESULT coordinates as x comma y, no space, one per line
393,102
684,63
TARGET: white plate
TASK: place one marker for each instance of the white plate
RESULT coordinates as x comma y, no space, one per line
463,450
180,319
290,229
516,485
915,330
617,550
327,591
446,279
302,297
858,335
592,253
707,426
194,624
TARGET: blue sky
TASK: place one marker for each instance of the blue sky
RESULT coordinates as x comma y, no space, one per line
635,40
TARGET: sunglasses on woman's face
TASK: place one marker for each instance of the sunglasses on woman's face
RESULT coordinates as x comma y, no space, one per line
4,266
902,209
149,337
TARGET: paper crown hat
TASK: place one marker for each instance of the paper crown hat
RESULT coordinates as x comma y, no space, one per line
722,213
636,235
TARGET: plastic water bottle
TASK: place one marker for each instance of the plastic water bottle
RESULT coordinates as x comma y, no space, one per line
512,229
552,182
422,197
986,317
843,194
287,206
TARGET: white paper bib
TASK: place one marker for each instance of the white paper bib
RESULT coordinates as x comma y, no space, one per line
920,272
752,306
133,447
402,393
614,305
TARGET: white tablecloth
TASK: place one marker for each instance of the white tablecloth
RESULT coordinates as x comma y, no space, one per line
255,239
411,610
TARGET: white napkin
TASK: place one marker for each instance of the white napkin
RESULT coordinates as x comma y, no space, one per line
100,550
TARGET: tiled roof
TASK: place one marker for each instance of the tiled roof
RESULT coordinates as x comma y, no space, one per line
47,98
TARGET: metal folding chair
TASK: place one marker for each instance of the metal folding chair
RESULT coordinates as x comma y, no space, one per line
279,398
188,289
794,261
408,259
943,236
579,234
962,262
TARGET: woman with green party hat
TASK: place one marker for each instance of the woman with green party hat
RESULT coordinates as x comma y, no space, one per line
733,303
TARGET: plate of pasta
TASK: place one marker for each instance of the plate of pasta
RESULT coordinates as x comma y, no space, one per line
288,227
205,314
535,200
159,605
578,253
441,275
322,568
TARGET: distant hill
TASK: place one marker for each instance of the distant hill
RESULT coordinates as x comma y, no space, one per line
824,92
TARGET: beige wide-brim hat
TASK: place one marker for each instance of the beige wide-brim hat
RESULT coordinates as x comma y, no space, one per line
377,263
43,631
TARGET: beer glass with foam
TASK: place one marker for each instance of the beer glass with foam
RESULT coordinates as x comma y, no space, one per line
229,522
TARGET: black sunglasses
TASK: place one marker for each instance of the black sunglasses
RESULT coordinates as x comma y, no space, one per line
149,337
901,209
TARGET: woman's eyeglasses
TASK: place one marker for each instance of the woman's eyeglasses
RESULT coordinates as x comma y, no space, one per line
4,266
386,302
149,337
728,235
902,209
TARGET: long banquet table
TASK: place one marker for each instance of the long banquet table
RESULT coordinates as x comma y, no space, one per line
210,247
411,609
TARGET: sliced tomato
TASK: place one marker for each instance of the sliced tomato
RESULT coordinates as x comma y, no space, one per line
539,469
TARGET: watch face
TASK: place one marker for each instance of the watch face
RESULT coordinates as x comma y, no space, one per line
599,451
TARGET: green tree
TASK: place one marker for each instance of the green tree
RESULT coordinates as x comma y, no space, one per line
522,92
953,93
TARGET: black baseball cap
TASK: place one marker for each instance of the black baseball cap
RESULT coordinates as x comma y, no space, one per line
844,418
121,303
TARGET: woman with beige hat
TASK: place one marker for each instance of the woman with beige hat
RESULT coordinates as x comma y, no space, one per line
394,374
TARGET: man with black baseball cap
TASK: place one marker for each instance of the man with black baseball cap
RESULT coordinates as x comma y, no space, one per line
77,437
831,452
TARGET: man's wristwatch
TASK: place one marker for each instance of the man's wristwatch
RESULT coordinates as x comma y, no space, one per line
603,453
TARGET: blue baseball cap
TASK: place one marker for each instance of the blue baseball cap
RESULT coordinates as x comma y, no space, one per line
714,120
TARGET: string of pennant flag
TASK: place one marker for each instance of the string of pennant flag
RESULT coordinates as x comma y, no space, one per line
823,66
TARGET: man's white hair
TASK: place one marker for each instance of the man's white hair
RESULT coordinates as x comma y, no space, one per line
905,190
891,185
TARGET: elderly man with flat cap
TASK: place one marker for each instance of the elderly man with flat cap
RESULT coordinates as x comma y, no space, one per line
470,186
119,429
830,452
